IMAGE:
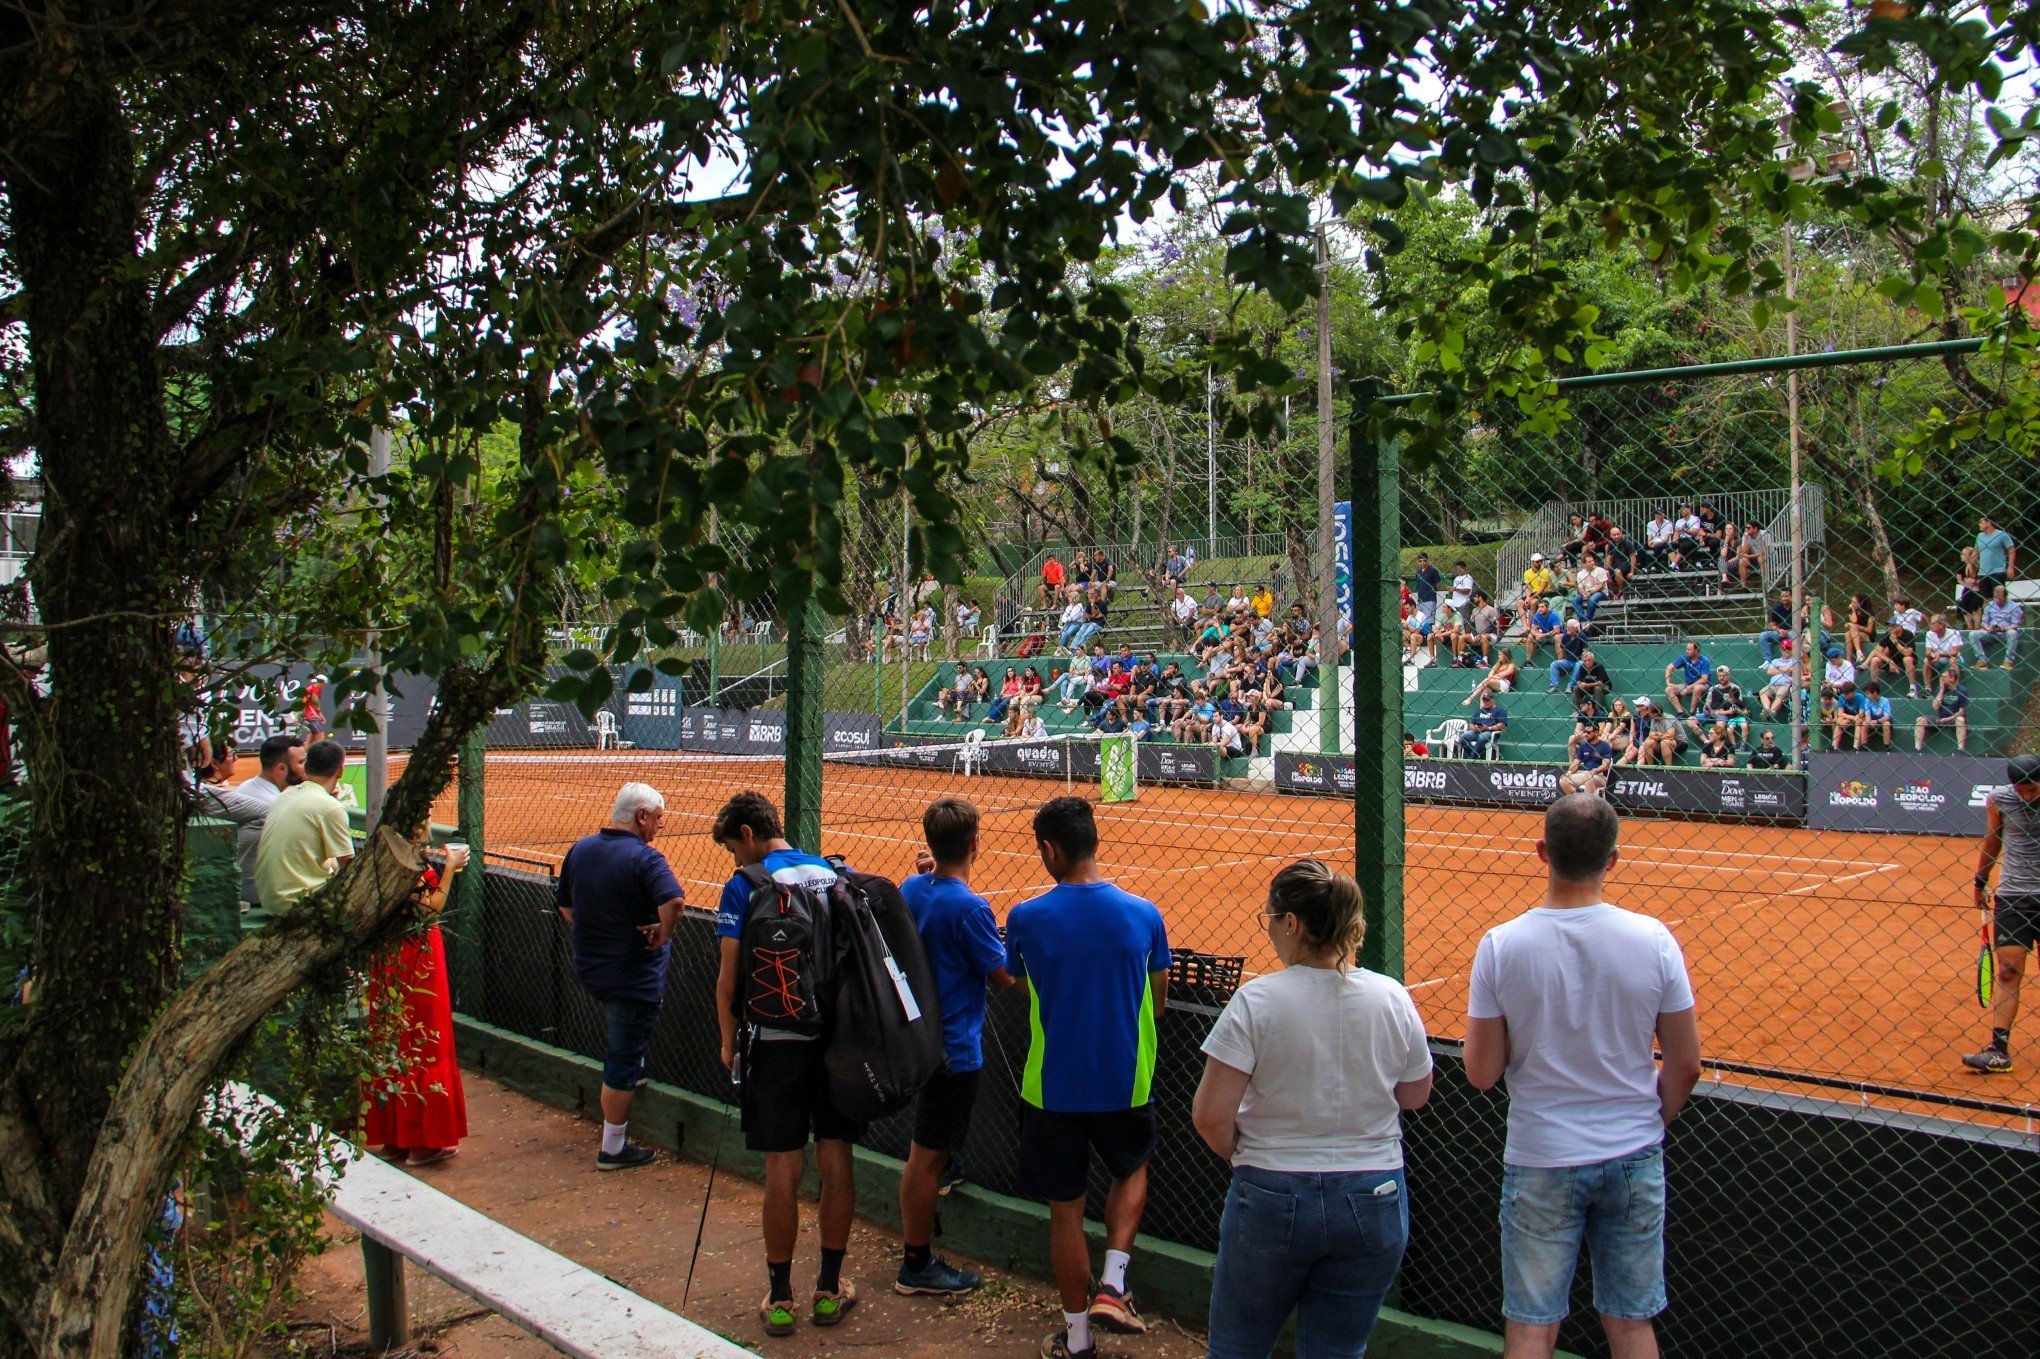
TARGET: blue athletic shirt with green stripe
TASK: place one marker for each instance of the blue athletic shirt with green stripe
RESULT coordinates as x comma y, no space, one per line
1087,951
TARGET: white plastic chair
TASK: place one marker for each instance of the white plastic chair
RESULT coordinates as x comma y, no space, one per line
690,638
1443,739
761,631
608,735
988,642
973,753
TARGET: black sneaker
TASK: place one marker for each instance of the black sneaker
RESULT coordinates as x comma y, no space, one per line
1990,1062
630,1158
1056,1345
952,1176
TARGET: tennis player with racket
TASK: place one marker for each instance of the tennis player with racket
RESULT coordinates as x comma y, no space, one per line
2011,843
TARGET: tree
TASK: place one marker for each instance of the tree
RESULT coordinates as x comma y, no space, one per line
237,238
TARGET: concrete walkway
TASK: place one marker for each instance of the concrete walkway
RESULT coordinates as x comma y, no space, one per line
532,1167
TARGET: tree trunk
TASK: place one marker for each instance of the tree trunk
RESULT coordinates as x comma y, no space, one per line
1302,567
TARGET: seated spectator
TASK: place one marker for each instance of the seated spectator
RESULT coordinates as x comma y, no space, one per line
1108,691
1100,663
1177,567
1447,628
1572,653
1687,679
1109,720
1716,750
1030,683
1074,615
2003,616
1767,755
1689,540
1225,734
1839,669
1876,718
1542,625
1590,588
1237,602
1590,682
1254,725
1484,729
1137,725
1416,634
962,693
1893,654
1538,585
1009,689
1483,629
1194,726
1749,556
1413,749
1942,646
1620,728
1711,525
1032,728
967,618
1725,549
1657,542
1104,575
1262,602
1951,709
1653,736
1575,545
1620,554
1213,602
1094,620
1076,684
1499,680
1171,696
1182,613
1211,636
1588,722
1723,707
1299,627
1265,631
1845,718
1779,672
1593,760
1052,578
1860,631
921,631
1905,614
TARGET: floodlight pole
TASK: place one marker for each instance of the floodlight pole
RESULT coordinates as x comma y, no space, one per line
1810,640
1210,471
1327,491
377,755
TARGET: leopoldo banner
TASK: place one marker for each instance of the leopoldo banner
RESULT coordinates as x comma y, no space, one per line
1926,794
1695,792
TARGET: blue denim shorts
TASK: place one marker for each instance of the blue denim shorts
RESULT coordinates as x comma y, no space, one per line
1617,1206
628,1036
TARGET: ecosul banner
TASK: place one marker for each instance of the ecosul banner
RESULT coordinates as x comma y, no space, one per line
1917,793
762,731
1695,792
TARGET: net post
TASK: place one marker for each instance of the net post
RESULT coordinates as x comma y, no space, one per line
804,728
466,961
1377,682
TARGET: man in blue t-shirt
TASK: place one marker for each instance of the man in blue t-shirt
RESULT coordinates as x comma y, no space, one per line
620,900
961,939
1095,962
782,1091
1687,679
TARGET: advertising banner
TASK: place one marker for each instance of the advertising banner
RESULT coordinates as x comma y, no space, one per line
1917,793
1731,793
271,699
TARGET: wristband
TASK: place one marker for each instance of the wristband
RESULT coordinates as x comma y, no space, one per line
1983,880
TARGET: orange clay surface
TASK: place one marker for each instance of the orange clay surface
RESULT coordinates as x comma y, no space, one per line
1843,955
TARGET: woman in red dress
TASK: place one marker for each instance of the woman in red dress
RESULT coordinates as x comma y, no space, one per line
417,1113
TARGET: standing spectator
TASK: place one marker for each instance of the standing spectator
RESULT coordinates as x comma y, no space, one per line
1621,554
1542,625
2011,844
1657,541
1564,1004
281,761
1052,577
1590,587
1876,718
1767,755
1687,679
1278,579
1306,1073
1997,556
305,839
1462,586
1094,962
418,1113
1484,729
783,1094
1424,583
1951,709
2003,616
312,713
1572,653
1942,646
965,954
620,901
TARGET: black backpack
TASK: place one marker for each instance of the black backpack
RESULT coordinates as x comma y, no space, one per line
885,1038
786,955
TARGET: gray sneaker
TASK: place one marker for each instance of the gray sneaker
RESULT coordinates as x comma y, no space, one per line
1990,1062
938,1277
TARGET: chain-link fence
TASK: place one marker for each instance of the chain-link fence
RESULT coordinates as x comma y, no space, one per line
1843,1181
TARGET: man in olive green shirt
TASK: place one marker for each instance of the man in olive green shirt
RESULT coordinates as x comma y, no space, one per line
305,839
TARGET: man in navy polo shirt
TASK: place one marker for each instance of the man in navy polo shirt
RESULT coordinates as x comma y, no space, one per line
619,897
1095,962
961,939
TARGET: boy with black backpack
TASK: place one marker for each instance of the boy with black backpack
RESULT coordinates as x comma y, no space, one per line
774,1019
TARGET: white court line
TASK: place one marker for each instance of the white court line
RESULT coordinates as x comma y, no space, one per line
1789,892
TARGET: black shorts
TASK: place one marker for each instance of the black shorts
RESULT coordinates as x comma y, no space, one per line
942,1113
2016,922
1055,1148
785,1096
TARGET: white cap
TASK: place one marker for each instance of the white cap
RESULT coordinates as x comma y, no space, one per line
1537,556
1643,701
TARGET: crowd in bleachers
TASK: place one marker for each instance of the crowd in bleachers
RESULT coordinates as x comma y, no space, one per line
1844,694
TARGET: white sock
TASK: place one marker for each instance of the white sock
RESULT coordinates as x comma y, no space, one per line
1114,1276
612,1137
1078,1324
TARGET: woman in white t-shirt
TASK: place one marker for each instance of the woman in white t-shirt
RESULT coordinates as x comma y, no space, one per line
1306,1074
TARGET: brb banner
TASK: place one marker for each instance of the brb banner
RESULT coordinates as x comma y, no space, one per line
1918,793
1694,792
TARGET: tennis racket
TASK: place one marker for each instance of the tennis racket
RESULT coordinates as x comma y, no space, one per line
1986,961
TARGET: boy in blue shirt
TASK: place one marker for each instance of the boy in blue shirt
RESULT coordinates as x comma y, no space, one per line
1095,964
961,939
783,1092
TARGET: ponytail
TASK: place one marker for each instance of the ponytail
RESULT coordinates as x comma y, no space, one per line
1326,904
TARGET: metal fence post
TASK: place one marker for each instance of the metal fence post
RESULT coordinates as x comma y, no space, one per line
1376,669
804,735
466,962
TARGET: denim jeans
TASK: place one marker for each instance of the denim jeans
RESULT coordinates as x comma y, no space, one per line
1586,606
1563,673
1326,1246
1617,1207
1085,632
1069,633
627,1035
2010,638
1767,644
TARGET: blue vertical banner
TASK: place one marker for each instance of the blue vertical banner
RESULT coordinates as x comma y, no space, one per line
1342,555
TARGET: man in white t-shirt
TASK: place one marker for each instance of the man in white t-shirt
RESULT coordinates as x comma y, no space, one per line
1565,1002
1462,586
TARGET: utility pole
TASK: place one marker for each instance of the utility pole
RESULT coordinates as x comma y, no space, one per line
1210,472
1327,545
378,751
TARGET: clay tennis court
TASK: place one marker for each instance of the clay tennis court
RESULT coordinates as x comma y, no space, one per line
1846,956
